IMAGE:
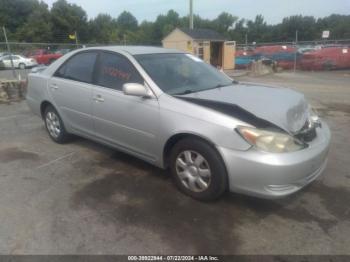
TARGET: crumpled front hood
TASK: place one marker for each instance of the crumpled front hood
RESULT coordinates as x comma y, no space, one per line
282,107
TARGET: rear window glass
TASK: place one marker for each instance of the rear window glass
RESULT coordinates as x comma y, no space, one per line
79,68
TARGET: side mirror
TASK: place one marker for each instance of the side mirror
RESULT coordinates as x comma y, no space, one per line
135,89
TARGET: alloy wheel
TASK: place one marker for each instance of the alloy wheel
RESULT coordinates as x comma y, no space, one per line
53,124
193,170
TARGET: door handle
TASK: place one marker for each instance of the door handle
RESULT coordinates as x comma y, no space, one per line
54,86
99,98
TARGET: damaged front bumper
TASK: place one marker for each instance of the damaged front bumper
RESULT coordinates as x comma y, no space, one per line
273,175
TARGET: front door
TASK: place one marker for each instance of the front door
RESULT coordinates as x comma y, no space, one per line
129,122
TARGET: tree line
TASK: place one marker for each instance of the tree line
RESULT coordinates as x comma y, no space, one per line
33,21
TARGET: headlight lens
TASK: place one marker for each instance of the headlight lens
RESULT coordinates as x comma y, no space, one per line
314,118
270,141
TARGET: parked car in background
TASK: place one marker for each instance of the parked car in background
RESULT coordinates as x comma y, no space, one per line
176,111
18,62
43,56
62,51
4,53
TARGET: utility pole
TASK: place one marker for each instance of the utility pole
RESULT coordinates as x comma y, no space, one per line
296,51
246,39
76,38
9,51
191,14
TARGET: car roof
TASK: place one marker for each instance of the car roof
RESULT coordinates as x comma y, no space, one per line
137,50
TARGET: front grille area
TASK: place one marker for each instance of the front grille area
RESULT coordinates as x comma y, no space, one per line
307,133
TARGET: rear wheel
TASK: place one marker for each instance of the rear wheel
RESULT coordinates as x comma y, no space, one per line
198,169
54,126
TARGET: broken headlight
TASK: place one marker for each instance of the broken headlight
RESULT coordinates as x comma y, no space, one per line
270,141
314,118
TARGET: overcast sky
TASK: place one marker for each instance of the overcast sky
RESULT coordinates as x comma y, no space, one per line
272,10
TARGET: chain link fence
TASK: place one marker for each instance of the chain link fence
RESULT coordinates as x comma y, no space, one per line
306,55
311,55
25,56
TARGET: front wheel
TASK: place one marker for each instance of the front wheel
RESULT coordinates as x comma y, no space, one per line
22,66
54,126
198,169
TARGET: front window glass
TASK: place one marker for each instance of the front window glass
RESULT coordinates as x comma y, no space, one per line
115,70
182,73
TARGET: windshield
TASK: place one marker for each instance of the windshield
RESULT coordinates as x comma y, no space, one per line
178,74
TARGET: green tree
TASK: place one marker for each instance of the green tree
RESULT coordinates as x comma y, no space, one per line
14,13
127,22
38,26
239,32
164,24
103,30
224,22
305,25
257,29
146,34
339,26
66,19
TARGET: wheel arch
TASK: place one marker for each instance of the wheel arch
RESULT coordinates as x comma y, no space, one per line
170,143
44,104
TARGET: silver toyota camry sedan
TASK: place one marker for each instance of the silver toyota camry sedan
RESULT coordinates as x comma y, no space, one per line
175,111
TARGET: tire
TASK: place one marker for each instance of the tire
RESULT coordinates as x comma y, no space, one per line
22,66
54,126
329,65
202,164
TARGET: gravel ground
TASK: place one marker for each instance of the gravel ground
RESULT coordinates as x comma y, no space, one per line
84,198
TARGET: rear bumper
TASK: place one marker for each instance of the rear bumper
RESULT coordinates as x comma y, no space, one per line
34,105
270,175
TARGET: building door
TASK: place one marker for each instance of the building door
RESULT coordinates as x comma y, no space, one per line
206,51
229,55
216,54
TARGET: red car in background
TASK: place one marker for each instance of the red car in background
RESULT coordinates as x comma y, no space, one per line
327,58
43,56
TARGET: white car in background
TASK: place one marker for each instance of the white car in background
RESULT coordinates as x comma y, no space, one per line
18,62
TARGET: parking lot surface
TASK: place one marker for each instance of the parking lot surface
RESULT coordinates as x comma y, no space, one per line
84,198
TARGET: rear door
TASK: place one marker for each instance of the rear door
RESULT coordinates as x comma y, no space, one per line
128,122
71,90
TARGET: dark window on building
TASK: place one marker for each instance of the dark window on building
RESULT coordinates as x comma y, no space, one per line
200,53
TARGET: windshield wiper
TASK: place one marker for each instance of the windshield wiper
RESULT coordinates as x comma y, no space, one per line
214,87
223,85
185,92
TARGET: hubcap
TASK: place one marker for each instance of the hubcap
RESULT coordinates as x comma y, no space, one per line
193,170
53,124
